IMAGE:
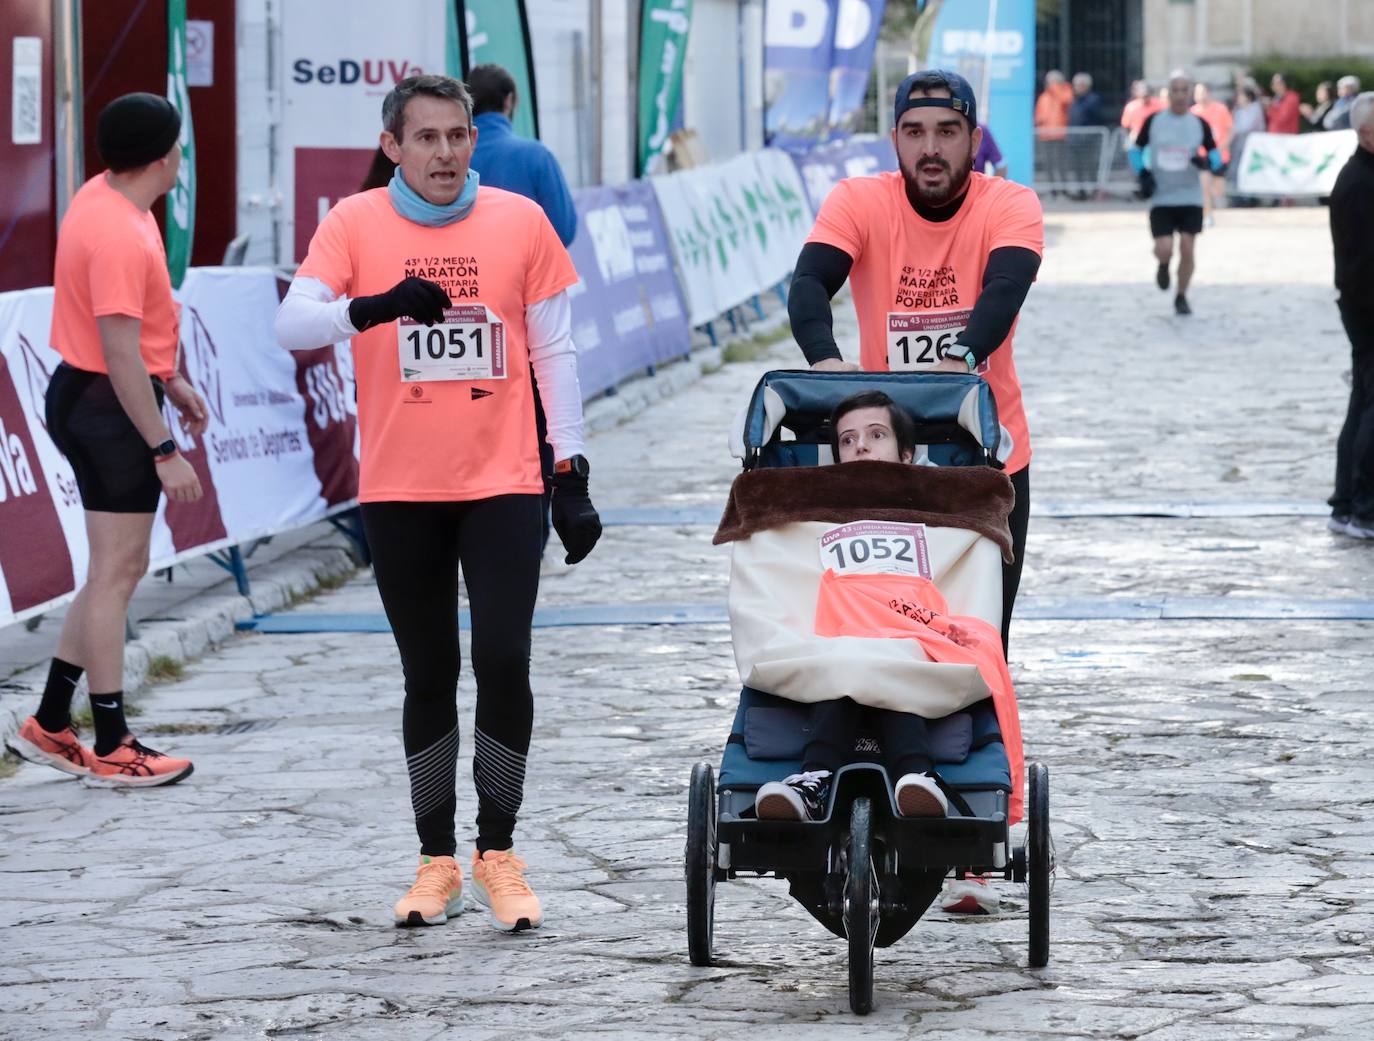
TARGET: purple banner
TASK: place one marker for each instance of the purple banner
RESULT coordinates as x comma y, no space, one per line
628,310
823,168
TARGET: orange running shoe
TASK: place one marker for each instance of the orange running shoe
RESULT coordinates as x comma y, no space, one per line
62,750
498,882
133,765
436,896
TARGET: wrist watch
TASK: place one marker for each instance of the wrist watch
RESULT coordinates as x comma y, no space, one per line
576,464
164,451
971,360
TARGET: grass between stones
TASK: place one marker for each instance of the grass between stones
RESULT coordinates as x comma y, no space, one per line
9,763
164,668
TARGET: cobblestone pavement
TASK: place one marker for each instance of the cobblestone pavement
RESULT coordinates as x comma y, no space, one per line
1209,797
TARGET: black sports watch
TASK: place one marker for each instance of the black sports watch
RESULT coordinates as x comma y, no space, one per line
576,464
164,451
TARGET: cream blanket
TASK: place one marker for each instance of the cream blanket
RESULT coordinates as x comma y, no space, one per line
775,576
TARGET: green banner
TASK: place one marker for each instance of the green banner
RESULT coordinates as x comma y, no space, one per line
181,200
497,33
662,50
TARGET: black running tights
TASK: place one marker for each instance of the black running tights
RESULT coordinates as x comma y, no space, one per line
417,548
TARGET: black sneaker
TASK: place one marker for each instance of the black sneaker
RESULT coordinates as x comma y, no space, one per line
1162,276
796,798
1181,305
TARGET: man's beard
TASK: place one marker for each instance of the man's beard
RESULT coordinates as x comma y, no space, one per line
936,197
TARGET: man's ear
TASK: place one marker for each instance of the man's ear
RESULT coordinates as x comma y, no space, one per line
390,146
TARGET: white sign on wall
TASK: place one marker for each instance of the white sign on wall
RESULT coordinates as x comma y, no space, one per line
26,115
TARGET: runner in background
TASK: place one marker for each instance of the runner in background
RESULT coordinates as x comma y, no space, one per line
1143,104
989,155
116,326
450,293
1169,153
527,168
1218,117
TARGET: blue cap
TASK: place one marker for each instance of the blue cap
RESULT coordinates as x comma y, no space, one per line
960,95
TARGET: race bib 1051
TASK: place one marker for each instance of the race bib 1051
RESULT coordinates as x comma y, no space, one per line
876,547
470,344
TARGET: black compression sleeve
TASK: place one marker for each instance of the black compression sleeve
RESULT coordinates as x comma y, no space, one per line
1006,281
819,274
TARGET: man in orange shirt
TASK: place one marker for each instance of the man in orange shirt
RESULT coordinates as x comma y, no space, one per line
1051,120
1218,117
116,326
1143,104
451,292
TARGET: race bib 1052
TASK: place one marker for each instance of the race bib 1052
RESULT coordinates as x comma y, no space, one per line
470,344
876,547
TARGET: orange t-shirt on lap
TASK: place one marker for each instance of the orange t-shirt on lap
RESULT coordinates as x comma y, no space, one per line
451,439
907,265
111,261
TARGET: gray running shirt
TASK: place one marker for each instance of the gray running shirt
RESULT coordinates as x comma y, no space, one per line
1173,141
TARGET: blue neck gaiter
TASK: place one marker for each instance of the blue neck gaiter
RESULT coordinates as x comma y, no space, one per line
414,207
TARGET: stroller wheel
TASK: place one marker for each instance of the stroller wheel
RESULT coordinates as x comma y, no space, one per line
1039,863
701,863
861,906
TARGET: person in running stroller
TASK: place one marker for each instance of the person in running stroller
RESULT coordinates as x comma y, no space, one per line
865,427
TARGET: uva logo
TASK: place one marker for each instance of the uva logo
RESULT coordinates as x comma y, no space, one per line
346,71
16,475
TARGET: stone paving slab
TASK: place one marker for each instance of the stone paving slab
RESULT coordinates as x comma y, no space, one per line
1210,780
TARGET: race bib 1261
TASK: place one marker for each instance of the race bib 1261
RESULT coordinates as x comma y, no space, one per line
922,339
876,547
469,344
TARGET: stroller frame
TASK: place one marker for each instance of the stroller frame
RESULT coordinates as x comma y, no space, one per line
864,871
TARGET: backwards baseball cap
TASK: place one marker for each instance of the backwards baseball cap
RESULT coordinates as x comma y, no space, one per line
136,129
960,94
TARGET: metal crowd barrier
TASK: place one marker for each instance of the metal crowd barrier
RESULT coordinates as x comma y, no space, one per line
1083,161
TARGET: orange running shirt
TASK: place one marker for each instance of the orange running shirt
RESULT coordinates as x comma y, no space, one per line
451,439
1218,117
110,260
905,264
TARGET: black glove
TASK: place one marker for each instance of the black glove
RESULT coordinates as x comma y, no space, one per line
410,297
1147,184
574,516
1201,162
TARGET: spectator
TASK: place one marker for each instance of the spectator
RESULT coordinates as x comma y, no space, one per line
1143,104
1218,117
1347,89
1316,114
1051,118
1247,118
1085,149
989,154
1352,239
527,168
1282,117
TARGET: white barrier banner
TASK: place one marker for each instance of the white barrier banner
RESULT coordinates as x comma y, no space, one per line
736,228
279,451
1294,164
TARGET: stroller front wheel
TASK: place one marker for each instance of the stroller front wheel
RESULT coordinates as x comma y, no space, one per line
1039,863
701,863
861,912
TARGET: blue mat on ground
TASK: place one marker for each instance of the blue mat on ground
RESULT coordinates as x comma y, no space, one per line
1030,608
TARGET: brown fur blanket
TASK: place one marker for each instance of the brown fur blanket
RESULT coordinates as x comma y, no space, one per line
975,497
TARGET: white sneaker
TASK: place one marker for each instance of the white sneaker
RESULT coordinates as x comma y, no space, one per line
919,796
1338,523
968,895
1360,527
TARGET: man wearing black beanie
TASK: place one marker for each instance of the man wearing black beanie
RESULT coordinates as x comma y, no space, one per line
115,325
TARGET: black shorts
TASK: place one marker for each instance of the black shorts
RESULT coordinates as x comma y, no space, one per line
114,467
1165,220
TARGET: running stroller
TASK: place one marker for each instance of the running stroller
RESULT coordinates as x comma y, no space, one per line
865,872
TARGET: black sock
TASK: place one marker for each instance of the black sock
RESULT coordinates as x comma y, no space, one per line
107,710
55,710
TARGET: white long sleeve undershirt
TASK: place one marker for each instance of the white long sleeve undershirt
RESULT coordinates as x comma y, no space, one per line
312,316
